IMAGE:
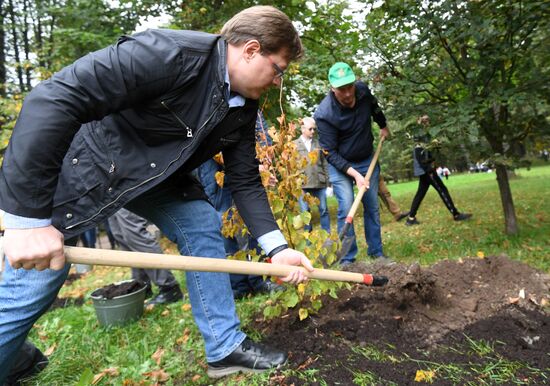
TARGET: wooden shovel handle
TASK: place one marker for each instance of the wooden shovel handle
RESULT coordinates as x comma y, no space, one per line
77,255
362,189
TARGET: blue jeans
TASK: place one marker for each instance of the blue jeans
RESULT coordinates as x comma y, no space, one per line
24,296
343,190
193,225
321,194
218,196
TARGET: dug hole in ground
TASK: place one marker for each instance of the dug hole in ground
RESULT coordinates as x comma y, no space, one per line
431,316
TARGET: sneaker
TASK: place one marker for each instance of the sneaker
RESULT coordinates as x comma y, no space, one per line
401,216
167,296
382,259
249,357
412,221
462,216
345,263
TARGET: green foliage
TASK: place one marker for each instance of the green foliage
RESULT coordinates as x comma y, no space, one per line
9,109
478,69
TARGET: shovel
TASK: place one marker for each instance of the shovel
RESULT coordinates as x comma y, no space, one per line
77,255
347,241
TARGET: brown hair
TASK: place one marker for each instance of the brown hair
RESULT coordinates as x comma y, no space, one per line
271,27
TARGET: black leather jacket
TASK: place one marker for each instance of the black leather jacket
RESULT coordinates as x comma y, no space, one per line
121,120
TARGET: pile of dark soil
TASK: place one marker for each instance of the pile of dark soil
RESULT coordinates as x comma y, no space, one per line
113,290
468,312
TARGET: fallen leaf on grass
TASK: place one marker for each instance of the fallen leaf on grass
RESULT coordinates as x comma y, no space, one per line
196,378
186,307
480,254
157,356
157,375
49,351
184,338
111,371
165,313
424,376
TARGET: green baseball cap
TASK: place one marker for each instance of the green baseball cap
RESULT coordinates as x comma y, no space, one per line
340,74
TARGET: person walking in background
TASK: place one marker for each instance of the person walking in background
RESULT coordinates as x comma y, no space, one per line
316,173
389,202
423,164
124,127
345,134
131,234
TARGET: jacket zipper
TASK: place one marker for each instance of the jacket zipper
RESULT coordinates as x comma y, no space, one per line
151,178
189,131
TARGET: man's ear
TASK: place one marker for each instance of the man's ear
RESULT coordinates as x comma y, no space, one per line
251,48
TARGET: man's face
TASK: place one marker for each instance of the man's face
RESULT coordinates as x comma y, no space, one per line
308,128
345,95
255,72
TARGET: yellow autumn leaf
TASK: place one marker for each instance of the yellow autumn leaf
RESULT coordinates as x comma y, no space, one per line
301,289
186,307
303,313
480,254
424,376
297,222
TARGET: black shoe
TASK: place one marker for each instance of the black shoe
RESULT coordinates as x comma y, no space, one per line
401,216
249,357
238,294
462,216
30,361
269,287
167,296
412,221
148,291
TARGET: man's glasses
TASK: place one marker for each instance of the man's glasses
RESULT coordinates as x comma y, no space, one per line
279,73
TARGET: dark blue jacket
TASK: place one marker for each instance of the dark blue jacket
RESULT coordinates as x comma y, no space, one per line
123,119
345,134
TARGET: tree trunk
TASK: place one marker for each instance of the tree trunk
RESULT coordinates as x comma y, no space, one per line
510,220
18,67
2,52
26,45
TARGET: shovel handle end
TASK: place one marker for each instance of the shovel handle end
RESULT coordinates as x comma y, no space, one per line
375,281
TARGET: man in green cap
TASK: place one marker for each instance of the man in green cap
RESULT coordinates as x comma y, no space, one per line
343,120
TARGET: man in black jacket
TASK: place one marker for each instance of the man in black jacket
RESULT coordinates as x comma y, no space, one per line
124,127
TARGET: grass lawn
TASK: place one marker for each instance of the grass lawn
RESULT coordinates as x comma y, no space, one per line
81,351
439,237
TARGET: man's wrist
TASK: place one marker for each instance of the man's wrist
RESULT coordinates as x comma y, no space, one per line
13,221
274,251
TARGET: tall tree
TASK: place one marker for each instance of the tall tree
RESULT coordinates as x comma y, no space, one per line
2,50
477,68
